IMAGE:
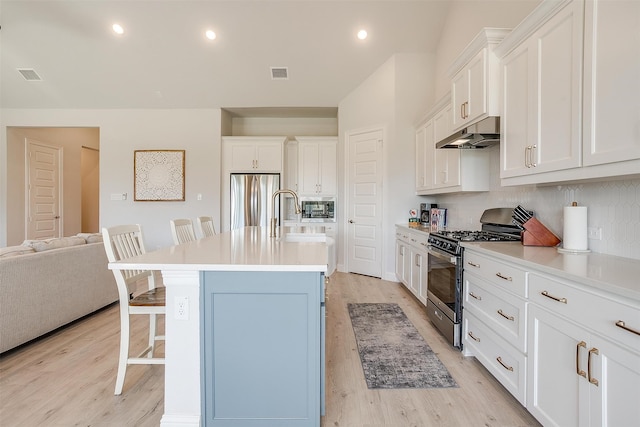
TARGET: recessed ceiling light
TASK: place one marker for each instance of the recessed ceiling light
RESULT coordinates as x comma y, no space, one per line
117,28
210,34
362,34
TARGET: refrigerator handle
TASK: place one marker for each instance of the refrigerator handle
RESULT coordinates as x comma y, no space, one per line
255,189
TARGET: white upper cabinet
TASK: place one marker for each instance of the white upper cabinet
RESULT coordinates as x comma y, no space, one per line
317,172
253,154
446,161
540,123
612,81
475,78
468,91
447,170
291,162
571,93
425,150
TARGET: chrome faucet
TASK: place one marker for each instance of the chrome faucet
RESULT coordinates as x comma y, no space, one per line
274,220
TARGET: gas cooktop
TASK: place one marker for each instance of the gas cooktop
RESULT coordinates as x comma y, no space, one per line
449,241
475,236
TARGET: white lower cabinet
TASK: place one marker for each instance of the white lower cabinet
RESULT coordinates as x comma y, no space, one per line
412,261
576,376
571,355
494,319
507,364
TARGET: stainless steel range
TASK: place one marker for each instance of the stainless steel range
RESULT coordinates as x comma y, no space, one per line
444,290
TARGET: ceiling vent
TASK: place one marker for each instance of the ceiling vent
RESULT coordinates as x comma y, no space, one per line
279,73
30,74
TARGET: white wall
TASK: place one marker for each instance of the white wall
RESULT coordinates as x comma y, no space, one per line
287,126
122,132
394,98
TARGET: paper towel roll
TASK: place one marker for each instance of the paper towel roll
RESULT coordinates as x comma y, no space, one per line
574,234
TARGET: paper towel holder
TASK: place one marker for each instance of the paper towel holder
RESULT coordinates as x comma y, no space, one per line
573,251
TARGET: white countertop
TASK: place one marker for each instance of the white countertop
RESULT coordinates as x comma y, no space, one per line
612,274
245,249
421,228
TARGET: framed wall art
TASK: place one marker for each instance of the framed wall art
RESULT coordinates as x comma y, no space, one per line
158,175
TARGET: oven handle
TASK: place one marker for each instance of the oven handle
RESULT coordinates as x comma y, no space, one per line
441,255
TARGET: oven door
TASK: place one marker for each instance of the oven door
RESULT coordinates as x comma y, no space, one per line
442,283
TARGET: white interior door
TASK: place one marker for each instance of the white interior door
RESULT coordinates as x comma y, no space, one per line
364,242
43,191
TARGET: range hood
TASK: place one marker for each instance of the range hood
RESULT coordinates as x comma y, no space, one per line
482,134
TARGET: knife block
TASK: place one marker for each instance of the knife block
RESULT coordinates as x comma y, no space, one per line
536,234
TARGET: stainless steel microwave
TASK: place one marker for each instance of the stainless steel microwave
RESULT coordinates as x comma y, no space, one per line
318,209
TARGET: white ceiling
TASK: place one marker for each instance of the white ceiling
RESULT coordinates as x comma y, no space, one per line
164,61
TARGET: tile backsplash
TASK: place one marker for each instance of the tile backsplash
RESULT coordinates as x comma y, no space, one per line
613,206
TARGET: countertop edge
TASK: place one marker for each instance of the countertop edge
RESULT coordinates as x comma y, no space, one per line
217,267
628,290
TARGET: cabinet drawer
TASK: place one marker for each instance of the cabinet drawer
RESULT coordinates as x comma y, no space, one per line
588,309
505,363
506,276
419,240
505,313
415,238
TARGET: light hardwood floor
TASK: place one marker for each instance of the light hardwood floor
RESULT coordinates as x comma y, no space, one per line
67,378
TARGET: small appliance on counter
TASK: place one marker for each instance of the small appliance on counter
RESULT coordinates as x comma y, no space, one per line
425,213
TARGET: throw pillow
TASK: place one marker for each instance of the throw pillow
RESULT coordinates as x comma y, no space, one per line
15,250
48,244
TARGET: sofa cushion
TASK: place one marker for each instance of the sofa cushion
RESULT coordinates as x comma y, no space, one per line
55,243
91,237
15,250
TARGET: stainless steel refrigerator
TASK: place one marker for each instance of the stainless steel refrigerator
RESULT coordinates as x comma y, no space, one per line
251,199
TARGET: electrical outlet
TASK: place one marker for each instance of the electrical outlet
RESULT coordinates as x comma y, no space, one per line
182,308
594,233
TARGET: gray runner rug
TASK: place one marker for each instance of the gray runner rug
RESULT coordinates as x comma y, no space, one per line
392,352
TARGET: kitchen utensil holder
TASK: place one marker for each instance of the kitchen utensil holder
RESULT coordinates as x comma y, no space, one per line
536,234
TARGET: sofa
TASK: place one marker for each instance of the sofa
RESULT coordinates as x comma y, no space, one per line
45,284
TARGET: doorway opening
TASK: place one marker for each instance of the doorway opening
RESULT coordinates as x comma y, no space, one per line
79,183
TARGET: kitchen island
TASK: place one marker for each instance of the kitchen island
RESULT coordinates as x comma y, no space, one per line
244,328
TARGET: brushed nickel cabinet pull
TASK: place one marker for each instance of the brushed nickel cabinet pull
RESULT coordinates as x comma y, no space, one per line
527,156
508,368
620,324
462,110
591,379
548,295
503,277
473,264
532,163
472,295
501,313
578,370
472,337
418,260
